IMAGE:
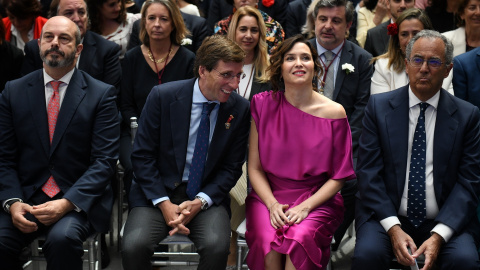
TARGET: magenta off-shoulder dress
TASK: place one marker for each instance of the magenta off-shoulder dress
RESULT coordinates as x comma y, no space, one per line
299,152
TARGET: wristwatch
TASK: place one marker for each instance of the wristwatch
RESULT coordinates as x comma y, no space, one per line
9,203
204,202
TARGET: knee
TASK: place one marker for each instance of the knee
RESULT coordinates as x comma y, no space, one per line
136,245
215,246
468,259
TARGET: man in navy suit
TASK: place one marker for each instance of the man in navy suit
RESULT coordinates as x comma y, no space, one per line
466,82
351,87
164,159
99,57
419,193
59,134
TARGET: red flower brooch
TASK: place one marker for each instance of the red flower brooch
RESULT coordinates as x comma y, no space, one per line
392,29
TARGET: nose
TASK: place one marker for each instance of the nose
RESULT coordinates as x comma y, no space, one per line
234,83
403,4
117,7
248,33
424,67
328,24
75,17
298,62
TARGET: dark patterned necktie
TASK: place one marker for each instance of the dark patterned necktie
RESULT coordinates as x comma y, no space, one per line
416,207
200,153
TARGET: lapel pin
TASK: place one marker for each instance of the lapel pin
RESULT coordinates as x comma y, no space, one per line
227,124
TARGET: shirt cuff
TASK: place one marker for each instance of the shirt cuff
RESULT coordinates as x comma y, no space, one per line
443,230
206,198
159,200
389,222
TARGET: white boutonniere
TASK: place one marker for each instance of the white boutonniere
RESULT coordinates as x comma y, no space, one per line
186,41
348,68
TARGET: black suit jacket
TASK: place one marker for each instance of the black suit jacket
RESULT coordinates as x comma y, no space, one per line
99,58
84,150
195,24
159,152
377,39
382,159
352,90
296,17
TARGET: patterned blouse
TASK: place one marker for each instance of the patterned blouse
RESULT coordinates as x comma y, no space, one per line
275,33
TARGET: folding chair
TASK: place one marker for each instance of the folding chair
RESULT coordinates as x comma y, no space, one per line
176,254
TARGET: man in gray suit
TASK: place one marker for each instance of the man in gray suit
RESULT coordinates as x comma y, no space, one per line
377,37
348,82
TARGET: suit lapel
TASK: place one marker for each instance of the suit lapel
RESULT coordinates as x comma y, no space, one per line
445,135
36,100
180,111
385,36
73,96
346,57
397,131
221,134
88,52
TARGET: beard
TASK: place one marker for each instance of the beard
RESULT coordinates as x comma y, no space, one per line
55,61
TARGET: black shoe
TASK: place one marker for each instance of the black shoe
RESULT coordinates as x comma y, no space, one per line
105,255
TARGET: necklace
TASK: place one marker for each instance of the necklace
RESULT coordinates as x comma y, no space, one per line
248,83
155,63
161,60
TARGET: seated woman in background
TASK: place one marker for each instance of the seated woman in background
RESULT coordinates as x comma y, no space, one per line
274,31
159,60
373,13
24,22
300,155
467,36
188,6
247,29
110,20
390,67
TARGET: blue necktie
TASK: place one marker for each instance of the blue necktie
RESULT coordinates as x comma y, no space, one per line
200,153
416,207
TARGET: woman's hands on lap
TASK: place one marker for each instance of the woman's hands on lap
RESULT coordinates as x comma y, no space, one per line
277,215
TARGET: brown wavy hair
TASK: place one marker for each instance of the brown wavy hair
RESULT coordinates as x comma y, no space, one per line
274,71
95,15
23,9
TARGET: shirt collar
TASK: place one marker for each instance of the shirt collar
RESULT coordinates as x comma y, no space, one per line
414,100
198,97
321,50
65,79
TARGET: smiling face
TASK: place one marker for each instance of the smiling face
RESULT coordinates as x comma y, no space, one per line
247,34
426,81
331,26
298,66
398,6
471,14
220,82
158,22
57,44
110,9
75,10
407,30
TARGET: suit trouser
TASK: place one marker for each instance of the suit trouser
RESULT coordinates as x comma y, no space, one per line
373,248
146,227
63,247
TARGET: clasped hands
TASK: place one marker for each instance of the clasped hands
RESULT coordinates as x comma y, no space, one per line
280,214
46,213
401,241
178,216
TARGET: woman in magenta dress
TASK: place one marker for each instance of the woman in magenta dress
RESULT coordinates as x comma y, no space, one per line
300,154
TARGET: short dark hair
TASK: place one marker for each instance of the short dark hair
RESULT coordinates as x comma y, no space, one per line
55,6
23,9
349,8
274,71
215,48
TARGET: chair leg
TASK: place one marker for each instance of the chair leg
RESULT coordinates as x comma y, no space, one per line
35,253
239,257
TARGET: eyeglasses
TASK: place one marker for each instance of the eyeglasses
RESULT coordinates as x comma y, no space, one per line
229,76
418,62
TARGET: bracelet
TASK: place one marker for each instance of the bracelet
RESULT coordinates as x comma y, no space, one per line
272,206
